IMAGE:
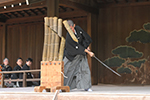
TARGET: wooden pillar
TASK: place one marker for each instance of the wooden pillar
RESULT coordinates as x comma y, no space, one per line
92,29
2,80
4,41
52,8
24,79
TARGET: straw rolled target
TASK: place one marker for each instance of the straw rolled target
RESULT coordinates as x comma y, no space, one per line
53,51
70,31
44,58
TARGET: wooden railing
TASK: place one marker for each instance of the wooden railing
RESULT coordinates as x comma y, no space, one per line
19,80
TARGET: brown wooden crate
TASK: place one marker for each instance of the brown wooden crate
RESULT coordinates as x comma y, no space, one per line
51,73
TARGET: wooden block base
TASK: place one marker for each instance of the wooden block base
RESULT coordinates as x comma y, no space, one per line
52,89
51,77
39,88
62,88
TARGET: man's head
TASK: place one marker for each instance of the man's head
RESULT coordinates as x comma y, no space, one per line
29,61
71,24
19,61
6,61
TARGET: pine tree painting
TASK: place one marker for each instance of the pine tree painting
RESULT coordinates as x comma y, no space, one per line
129,61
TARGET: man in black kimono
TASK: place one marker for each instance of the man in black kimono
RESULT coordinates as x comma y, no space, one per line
75,61
26,67
18,67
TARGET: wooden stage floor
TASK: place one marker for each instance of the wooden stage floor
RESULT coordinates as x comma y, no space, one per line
100,92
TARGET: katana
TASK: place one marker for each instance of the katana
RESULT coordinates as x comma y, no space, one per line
106,66
53,31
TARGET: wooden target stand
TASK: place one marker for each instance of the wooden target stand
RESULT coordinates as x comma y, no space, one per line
52,65
51,77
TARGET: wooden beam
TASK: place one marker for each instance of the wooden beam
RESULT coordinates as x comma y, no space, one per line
68,3
11,13
33,12
105,5
26,12
6,15
24,7
26,19
40,11
4,43
72,14
19,13
9,2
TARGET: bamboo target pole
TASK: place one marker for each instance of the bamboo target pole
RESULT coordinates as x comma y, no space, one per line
57,39
61,50
49,38
60,27
70,31
52,45
44,57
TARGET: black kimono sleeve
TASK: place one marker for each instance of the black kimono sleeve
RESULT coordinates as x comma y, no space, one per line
85,38
7,69
25,67
16,75
17,68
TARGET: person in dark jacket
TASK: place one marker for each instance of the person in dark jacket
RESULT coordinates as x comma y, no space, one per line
18,67
26,67
6,67
76,66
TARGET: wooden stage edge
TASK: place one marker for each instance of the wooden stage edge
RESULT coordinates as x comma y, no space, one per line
100,92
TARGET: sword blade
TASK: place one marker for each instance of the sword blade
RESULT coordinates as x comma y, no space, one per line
53,31
107,66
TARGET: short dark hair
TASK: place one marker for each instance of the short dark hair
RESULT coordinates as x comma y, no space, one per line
29,59
19,58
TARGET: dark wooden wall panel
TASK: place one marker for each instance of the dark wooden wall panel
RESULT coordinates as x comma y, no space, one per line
25,40
2,33
94,64
115,24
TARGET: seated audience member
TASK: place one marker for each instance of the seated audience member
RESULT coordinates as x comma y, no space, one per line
26,67
6,67
18,67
